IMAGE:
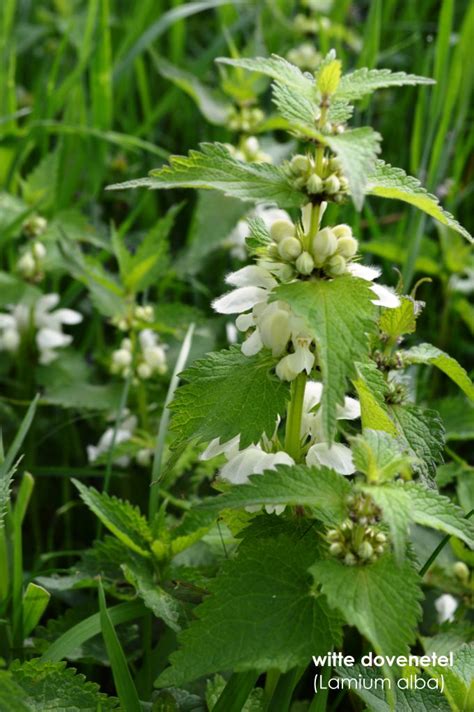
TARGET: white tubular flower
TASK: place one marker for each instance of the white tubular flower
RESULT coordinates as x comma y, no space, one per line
336,456
386,297
446,606
47,323
123,435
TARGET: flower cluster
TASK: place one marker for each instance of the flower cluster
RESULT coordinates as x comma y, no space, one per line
34,226
291,254
245,119
249,150
138,316
142,362
31,263
325,181
124,434
356,543
305,56
40,319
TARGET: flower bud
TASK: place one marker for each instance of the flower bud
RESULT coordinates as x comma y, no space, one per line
251,145
143,457
300,164
305,263
334,165
272,251
380,538
336,266
290,248
10,339
365,550
350,559
347,247
324,244
332,535
144,371
332,184
461,571
314,184
281,229
336,549
274,327
39,250
122,357
27,265
342,230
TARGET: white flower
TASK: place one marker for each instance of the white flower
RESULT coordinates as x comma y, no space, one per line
446,606
240,464
47,323
386,297
123,435
153,353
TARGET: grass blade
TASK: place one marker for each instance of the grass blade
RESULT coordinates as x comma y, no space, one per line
124,684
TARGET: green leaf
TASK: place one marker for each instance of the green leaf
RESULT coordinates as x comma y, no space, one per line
322,489
124,684
340,315
36,686
458,681
423,432
259,235
261,612
120,517
35,601
428,354
213,167
416,700
7,467
357,151
379,456
355,85
211,105
85,396
227,394
402,504
381,600
457,414
371,388
401,320
390,182
159,601
280,69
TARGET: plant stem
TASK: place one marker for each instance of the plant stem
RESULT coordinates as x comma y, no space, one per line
320,699
439,549
294,416
283,692
236,692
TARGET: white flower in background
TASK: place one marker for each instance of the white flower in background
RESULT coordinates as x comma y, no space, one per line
123,435
236,239
46,322
30,264
446,606
272,324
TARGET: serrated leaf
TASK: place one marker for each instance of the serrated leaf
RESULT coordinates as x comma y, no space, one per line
193,526
407,700
154,596
339,314
280,69
394,183
355,85
429,354
381,600
259,235
227,394
457,414
212,106
401,320
371,389
322,489
379,456
120,517
85,396
214,168
298,110
457,681
261,612
48,686
423,432
402,504
357,151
